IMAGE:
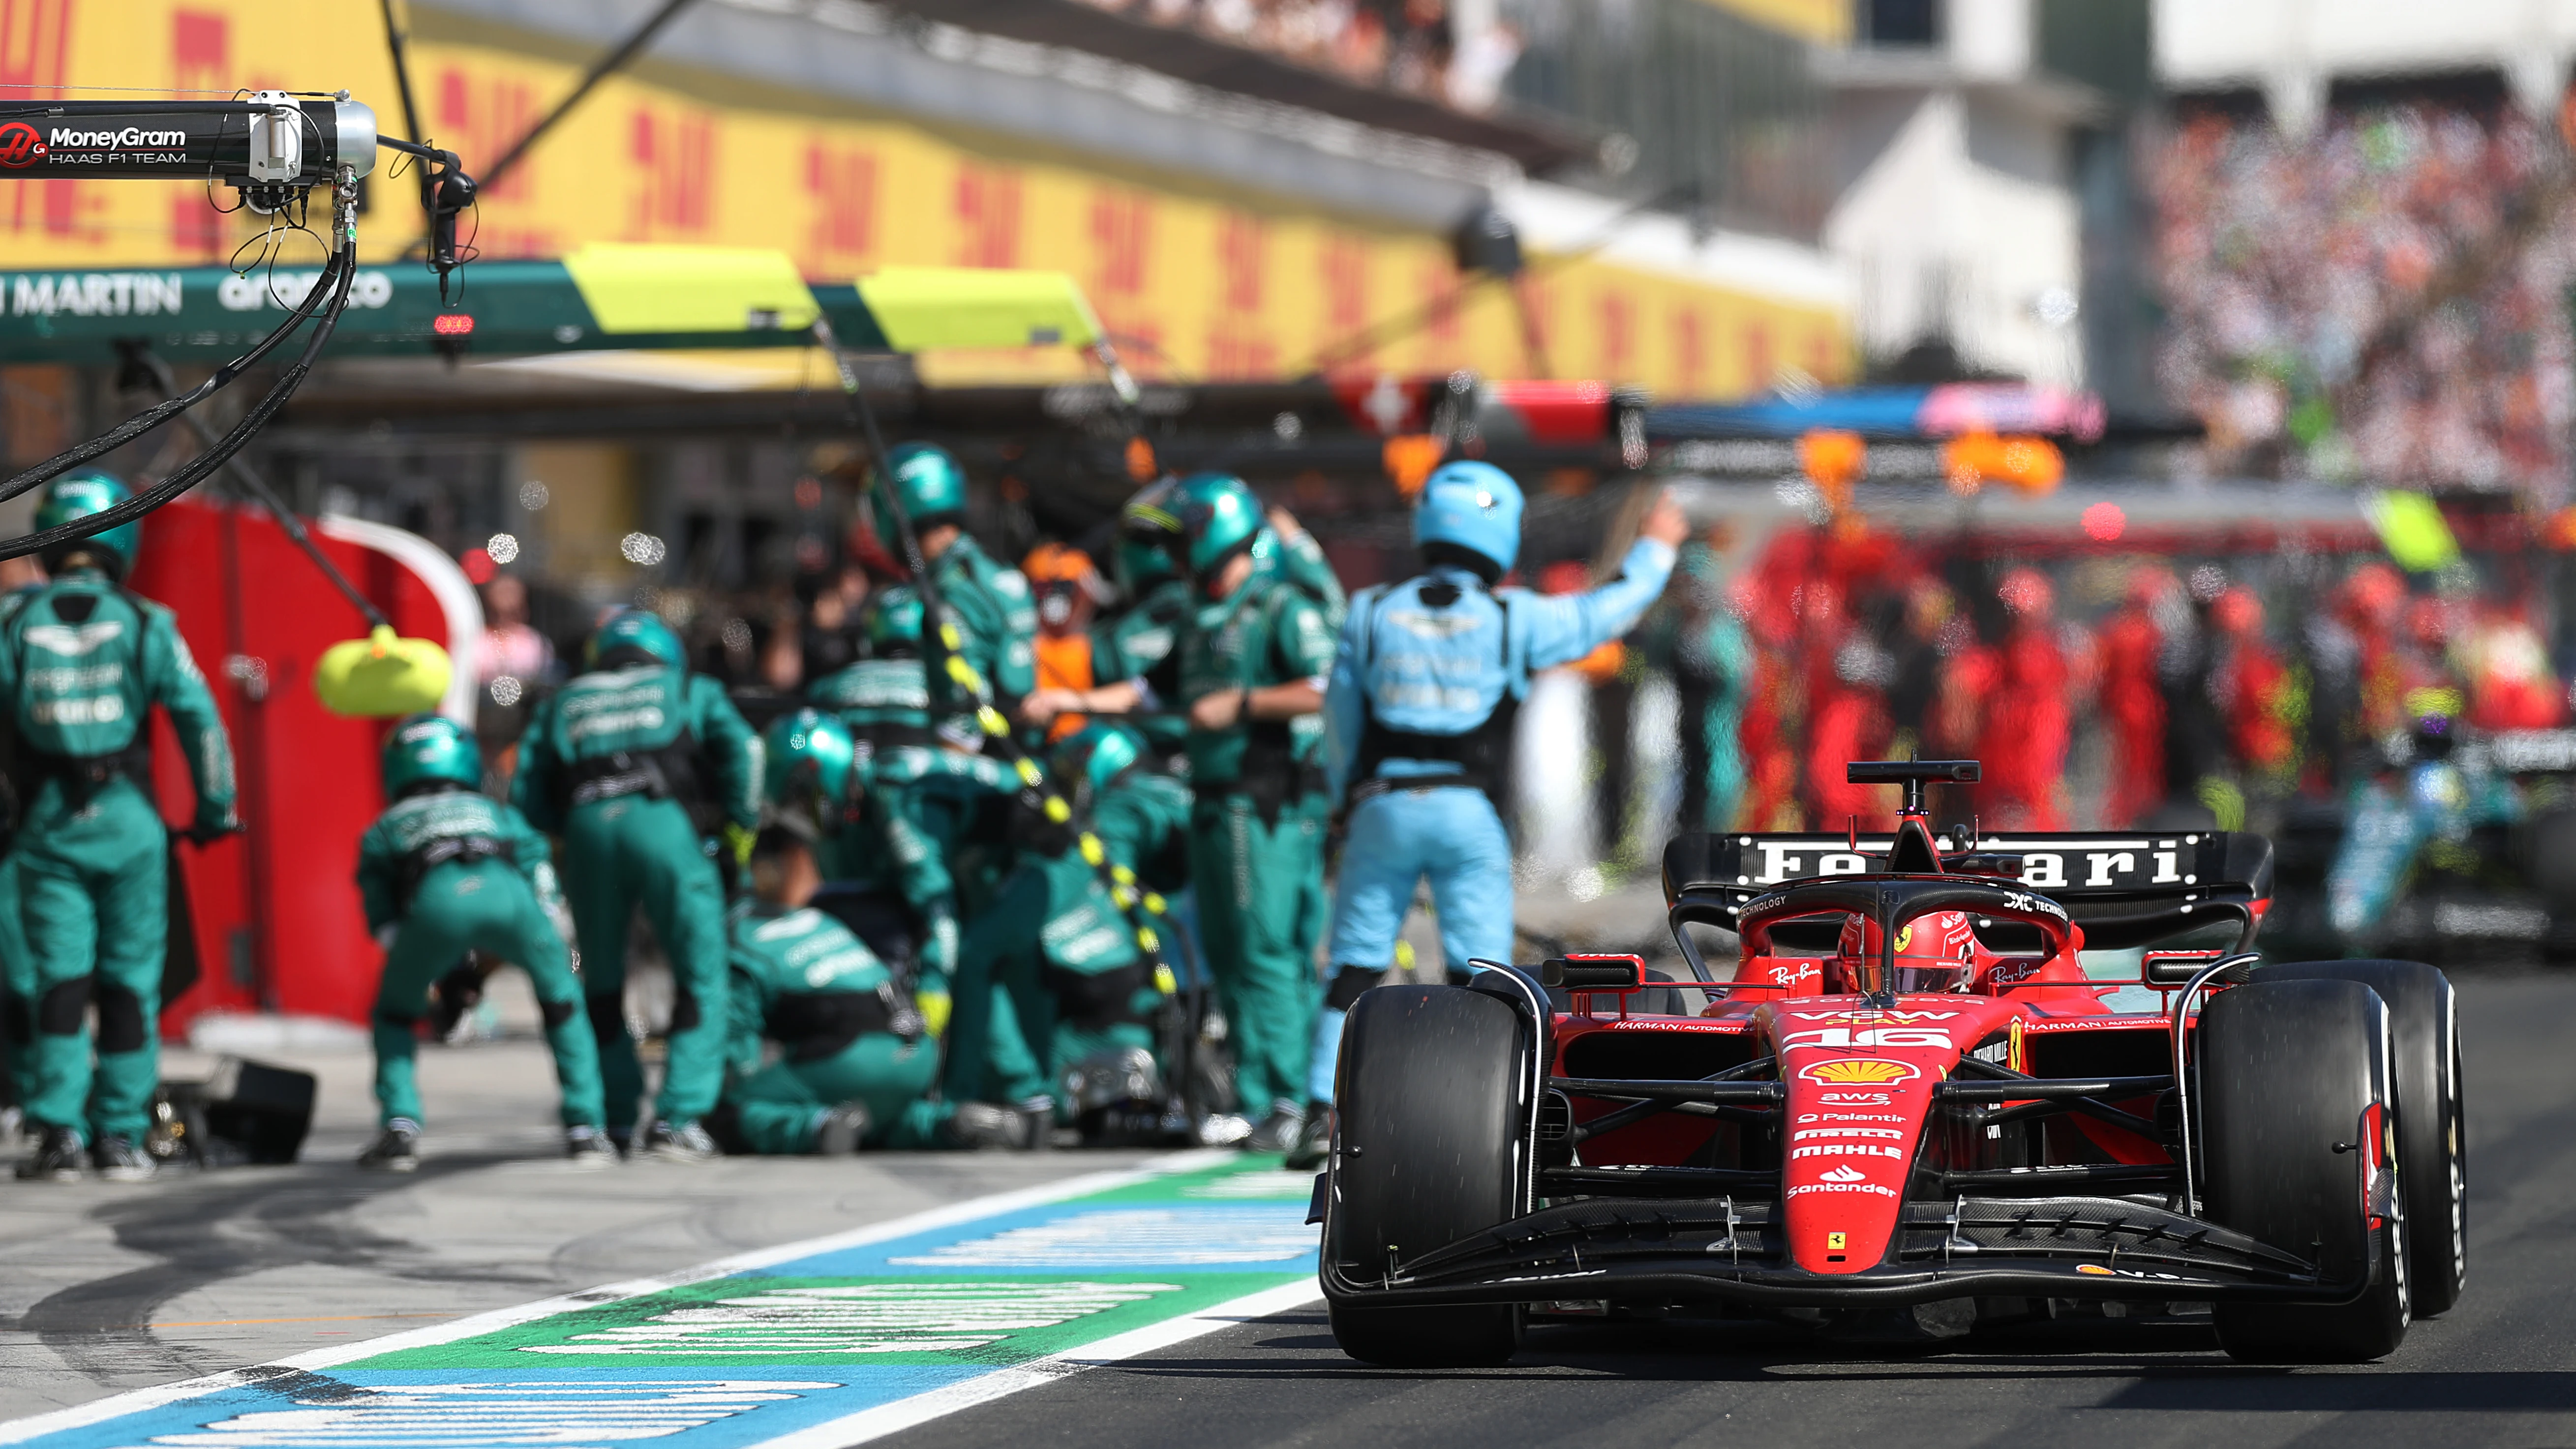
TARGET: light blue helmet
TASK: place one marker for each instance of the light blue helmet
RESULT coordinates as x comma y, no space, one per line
1474,506
75,496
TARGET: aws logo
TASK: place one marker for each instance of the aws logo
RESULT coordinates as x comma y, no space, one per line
1860,1072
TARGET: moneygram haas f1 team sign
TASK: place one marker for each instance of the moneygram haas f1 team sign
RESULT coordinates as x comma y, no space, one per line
603,296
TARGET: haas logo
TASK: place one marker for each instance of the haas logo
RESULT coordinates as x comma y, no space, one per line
20,146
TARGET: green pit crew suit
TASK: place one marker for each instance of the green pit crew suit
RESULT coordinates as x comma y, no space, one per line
989,604
1064,954
81,664
1259,816
1066,958
931,830
804,982
17,967
945,821
1140,644
613,763
447,870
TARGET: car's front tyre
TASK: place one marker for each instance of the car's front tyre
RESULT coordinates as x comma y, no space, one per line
2289,1075
1432,1103
2432,1125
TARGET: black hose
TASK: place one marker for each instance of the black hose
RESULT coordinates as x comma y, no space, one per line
145,421
342,270
266,496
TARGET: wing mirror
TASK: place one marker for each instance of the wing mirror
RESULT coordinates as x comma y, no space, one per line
2173,970
1587,972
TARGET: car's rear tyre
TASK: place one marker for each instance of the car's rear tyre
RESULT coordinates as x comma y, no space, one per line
2432,1116
2288,1073
1433,1107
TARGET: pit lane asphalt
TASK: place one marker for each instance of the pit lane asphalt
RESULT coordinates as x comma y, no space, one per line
2500,1369
107,1287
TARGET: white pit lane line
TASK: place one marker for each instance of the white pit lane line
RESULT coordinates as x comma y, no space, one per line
860,1427
902,1414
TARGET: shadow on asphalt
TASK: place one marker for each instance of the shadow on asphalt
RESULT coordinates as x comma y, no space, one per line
2154,1365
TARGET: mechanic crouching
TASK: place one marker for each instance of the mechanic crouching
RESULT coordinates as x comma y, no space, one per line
854,1058
446,870
1425,685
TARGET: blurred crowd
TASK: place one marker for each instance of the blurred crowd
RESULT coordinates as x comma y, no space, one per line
1404,45
2383,299
2098,691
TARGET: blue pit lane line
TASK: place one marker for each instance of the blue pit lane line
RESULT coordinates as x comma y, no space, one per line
813,1345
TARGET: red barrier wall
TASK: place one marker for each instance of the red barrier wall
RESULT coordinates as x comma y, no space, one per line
275,911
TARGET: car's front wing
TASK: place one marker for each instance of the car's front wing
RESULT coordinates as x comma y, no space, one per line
1731,1250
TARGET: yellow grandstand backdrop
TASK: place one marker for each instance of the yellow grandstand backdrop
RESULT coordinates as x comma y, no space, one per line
1194,282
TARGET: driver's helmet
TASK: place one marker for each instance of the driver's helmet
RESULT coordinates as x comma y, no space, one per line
1936,951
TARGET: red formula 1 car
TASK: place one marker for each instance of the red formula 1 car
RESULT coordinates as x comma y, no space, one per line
1908,1108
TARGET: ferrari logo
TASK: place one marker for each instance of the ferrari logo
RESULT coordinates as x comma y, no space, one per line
1833,1242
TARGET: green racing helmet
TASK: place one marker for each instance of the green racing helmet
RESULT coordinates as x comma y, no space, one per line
76,496
894,624
1219,518
426,749
806,765
630,636
1092,758
1147,529
928,480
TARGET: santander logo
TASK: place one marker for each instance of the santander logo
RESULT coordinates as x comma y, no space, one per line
1843,1174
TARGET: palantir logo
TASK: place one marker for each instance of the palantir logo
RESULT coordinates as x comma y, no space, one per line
20,146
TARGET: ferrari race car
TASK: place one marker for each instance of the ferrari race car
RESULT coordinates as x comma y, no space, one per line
1908,1104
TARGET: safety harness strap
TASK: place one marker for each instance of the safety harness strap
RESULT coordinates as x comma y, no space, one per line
1482,754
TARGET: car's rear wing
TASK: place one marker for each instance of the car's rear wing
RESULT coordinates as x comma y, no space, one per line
2125,888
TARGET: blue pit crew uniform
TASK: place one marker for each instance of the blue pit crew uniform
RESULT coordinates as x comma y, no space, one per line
1425,686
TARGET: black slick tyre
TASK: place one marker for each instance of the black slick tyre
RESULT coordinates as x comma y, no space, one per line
2432,1120
2288,1075
1432,1104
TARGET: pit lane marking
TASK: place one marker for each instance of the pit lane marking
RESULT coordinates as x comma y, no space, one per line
581,1367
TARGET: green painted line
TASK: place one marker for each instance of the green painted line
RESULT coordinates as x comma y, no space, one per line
819,1344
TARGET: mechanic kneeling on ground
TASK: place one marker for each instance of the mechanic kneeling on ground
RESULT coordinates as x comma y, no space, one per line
1425,684
446,870
82,663
856,1059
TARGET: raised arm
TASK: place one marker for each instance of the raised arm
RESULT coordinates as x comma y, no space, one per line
1562,629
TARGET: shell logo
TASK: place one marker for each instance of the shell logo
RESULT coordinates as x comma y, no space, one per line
1860,1072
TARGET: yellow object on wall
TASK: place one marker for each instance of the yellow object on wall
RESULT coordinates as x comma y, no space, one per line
1192,281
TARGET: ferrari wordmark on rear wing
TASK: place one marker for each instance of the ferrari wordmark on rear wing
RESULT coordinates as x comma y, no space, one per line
2124,888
